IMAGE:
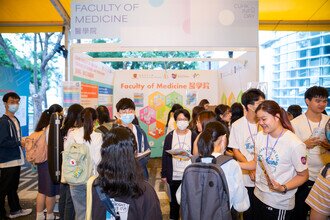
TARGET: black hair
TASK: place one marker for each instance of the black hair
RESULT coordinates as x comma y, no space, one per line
103,114
12,95
251,96
221,110
88,116
55,108
295,110
72,119
203,102
210,134
206,117
237,112
43,121
45,116
119,171
173,109
316,92
125,103
271,107
182,111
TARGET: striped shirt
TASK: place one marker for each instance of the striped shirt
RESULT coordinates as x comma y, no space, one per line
319,196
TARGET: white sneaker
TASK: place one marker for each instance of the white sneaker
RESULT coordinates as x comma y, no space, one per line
22,212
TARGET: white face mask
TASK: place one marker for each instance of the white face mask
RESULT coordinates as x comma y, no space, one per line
182,125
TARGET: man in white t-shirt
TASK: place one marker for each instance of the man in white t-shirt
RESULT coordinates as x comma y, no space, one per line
310,128
242,139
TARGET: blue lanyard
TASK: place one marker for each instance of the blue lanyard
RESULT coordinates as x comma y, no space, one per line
268,156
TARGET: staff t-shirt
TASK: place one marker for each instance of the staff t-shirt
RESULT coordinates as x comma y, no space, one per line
283,160
317,156
241,139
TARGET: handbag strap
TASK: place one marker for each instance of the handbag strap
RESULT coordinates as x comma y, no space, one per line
107,202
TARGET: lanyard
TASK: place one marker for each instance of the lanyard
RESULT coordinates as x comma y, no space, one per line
309,125
251,135
272,150
179,142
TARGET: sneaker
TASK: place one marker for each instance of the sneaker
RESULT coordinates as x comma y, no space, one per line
19,213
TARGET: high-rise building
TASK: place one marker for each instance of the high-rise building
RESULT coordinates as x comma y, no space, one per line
291,62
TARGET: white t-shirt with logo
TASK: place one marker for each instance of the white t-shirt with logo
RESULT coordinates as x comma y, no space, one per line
318,156
283,161
185,143
241,139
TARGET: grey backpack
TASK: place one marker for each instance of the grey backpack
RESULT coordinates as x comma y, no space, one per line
204,190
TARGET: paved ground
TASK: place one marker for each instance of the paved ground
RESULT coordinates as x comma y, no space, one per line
28,188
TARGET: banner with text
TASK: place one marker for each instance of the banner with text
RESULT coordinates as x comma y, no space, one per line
155,91
221,23
96,87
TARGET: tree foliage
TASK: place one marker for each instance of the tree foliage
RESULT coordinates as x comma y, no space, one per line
37,60
149,54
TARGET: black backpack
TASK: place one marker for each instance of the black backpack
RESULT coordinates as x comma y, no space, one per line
204,190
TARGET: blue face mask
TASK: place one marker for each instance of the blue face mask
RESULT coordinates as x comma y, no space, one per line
13,108
127,118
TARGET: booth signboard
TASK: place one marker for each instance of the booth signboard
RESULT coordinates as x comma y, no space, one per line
157,23
155,91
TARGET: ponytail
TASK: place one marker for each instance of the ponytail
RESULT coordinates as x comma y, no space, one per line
285,120
88,117
273,108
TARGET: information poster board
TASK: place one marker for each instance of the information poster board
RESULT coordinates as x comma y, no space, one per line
155,91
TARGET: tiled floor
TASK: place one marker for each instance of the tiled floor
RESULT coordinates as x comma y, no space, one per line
28,188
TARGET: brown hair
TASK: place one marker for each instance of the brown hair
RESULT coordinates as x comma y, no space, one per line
88,116
273,108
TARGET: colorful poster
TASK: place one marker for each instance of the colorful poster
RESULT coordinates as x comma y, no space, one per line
155,91
96,79
71,93
16,81
89,95
217,23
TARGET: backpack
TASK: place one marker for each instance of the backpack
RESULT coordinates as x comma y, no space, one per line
76,164
204,190
36,147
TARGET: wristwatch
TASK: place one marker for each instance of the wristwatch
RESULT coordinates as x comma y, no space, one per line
285,189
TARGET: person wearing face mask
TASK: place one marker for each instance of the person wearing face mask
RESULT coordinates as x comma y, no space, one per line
126,115
173,167
11,158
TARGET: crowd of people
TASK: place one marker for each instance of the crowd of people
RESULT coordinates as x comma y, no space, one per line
275,167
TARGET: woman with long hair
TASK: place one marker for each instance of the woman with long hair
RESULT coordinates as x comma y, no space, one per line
93,140
204,103
203,119
121,181
193,123
71,121
280,163
47,190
